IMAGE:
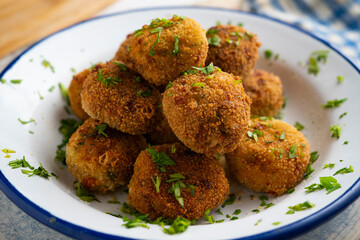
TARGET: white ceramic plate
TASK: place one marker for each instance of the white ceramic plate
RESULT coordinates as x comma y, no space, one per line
53,202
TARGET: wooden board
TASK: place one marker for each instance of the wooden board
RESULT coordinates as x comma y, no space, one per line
23,22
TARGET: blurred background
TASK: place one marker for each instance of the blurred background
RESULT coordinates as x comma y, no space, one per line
23,22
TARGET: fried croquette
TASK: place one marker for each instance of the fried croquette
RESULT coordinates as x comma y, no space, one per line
272,158
102,158
117,96
233,49
266,93
74,94
208,111
163,50
188,185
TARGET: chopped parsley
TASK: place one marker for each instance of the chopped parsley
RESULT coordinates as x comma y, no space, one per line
51,88
234,218
47,64
83,193
333,103
67,128
329,183
178,226
340,79
269,205
201,85
40,171
268,53
218,211
209,218
173,149
342,115
263,198
344,170
26,122
299,126
20,163
101,129
292,151
160,159
314,156
315,58
335,131
157,30
121,65
255,211
300,207
229,201
64,93
142,93
176,46
208,69
346,143
258,221
308,171
215,40
177,185
157,183
169,85
330,165
237,212
282,136
108,81
255,134
291,190
16,81
135,222
276,223
314,187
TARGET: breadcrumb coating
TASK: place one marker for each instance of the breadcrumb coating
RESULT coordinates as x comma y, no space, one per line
203,172
74,94
102,163
275,162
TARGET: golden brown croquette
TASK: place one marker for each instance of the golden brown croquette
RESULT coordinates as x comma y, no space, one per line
233,49
272,157
209,111
163,50
200,180
266,93
74,94
102,158
115,95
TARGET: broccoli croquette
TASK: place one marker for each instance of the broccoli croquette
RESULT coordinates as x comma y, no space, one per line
266,93
163,50
74,94
170,180
272,158
208,111
233,49
115,95
102,158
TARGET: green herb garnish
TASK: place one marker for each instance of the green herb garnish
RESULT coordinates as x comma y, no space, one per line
157,183
20,163
40,171
268,53
160,159
335,131
300,207
178,226
83,193
214,40
340,79
342,115
176,46
201,85
47,64
64,93
344,170
292,152
330,165
314,156
299,126
101,129
333,103
26,122
258,221
208,69
229,201
209,218
158,31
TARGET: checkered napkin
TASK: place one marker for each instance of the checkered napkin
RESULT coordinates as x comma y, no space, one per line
335,21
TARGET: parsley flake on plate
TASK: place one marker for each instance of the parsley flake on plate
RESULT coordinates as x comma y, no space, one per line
300,207
344,170
333,103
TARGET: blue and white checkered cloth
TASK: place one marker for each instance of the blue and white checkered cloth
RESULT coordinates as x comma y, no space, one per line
336,21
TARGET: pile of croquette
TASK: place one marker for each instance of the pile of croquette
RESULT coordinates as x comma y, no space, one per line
172,99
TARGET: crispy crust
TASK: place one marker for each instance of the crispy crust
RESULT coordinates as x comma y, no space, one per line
120,106
208,119
74,94
102,163
164,66
266,93
204,172
258,165
236,53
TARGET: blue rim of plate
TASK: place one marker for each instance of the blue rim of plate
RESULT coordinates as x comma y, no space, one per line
294,229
